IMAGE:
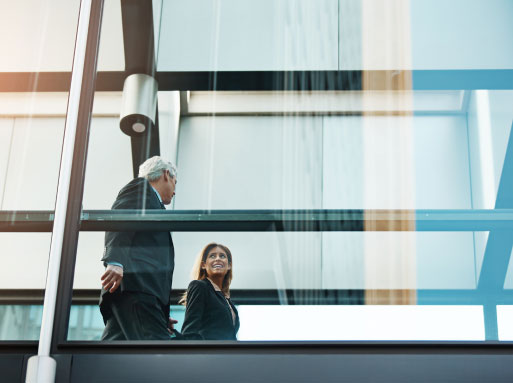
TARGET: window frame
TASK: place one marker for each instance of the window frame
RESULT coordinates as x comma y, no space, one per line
77,220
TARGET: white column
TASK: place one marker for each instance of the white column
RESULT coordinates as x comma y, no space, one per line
41,368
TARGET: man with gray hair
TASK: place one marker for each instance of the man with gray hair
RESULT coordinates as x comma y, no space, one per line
139,265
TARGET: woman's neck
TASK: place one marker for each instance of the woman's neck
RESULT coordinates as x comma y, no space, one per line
218,281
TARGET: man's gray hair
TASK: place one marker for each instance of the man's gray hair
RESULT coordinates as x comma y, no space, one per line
153,167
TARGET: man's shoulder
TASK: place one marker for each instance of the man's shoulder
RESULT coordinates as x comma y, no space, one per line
135,185
132,195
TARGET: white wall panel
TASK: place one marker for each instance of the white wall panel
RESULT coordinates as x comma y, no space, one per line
442,178
252,163
260,260
6,125
385,35
441,172
249,163
33,171
343,261
445,260
249,35
88,267
462,34
343,151
109,163
111,54
440,181
350,34
441,261
169,124
42,35
24,260
425,34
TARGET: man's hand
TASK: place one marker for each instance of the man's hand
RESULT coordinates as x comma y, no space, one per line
112,277
171,325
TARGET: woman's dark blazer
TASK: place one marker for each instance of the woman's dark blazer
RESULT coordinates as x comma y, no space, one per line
207,314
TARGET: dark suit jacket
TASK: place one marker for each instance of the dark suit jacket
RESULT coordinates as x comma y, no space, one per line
207,315
147,256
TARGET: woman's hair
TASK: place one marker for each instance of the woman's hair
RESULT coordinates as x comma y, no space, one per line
199,273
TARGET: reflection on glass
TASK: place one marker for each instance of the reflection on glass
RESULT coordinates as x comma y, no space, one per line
327,150
31,156
23,322
24,257
39,37
324,277
86,322
20,322
385,143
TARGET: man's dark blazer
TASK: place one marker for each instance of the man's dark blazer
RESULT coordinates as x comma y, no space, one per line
147,256
207,314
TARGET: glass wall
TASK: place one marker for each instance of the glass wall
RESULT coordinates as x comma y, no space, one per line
266,151
38,40
356,206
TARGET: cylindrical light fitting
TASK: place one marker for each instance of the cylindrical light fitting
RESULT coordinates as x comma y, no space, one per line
138,105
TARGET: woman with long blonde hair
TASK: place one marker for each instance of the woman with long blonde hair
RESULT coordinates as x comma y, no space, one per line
210,314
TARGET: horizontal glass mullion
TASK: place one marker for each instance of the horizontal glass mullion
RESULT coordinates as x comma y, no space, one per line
268,220
291,296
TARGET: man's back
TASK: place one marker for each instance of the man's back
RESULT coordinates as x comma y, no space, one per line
136,284
147,256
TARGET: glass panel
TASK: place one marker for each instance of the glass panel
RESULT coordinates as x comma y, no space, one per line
481,48
86,322
309,142
26,255
325,150
32,163
23,322
248,35
245,35
38,44
111,54
20,322
325,277
42,35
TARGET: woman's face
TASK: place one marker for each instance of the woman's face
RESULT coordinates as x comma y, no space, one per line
216,263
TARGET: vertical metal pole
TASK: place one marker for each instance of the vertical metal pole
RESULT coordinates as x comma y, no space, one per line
42,368
490,321
498,249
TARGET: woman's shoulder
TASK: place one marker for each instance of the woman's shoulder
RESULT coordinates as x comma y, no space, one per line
198,284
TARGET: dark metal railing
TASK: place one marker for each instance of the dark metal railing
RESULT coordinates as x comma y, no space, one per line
267,220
